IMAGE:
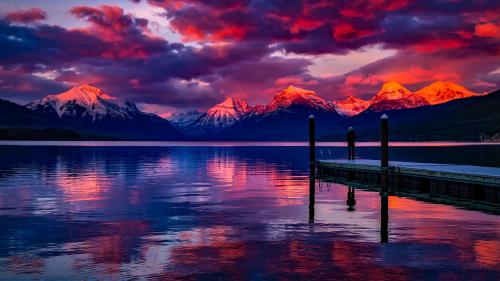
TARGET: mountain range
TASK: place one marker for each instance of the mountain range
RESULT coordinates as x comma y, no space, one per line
87,112
90,113
235,117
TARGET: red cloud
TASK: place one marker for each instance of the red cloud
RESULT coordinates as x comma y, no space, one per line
209,22
128,36
303,24
27,16
344,31
368,9
108,22
191,33
300,26
354,13
436,45
487,30
230,32
393,5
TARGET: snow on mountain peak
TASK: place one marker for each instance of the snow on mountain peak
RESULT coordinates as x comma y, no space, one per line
223,114
391,91
83,101
350,106
85,93
393,96
297,96
294,91
230,106
184,119
442,91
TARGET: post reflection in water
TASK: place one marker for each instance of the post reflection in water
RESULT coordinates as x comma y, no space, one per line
384,217
351,198
312,199
220,213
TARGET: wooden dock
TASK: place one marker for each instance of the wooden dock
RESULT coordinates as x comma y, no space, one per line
455,181
477,186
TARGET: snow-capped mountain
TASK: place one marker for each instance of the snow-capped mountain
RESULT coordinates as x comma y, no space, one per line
181,120
223,114
286,117
84,102
441,92
294,96
91,110
92,113
350,106
234,118
394,96
215,119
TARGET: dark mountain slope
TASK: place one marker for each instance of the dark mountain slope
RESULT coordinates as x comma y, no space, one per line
13,115
141,126
285,125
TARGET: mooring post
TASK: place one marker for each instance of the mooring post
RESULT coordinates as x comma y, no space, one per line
312,166
384,178
384,152
384,141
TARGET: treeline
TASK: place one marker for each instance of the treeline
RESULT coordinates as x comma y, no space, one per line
38,134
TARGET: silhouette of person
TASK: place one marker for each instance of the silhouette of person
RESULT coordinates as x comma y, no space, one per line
351,199
351,139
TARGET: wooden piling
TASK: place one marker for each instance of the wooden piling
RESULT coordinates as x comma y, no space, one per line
384,141
312,166
384,152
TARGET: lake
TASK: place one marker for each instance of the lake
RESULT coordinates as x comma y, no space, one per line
226,211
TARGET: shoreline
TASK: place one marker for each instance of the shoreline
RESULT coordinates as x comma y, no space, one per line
235,143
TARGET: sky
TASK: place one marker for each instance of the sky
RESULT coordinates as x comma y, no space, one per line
181,55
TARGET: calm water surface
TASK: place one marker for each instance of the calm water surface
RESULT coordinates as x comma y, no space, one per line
227,213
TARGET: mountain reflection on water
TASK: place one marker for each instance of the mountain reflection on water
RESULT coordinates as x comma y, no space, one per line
230,213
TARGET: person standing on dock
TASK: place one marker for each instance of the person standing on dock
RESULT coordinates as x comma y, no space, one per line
351,139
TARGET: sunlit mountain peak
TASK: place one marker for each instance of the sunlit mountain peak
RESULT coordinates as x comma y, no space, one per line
85,93
391,91
294,91
223,114
393,96
297,96
351,106
83,101
443,91
231,105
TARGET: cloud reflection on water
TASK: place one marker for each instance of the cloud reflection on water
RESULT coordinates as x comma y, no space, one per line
230,213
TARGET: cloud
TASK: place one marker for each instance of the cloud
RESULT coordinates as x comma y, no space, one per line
416,70
26,16
320,27
229,48
346,32
23,87
488,29
116,51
